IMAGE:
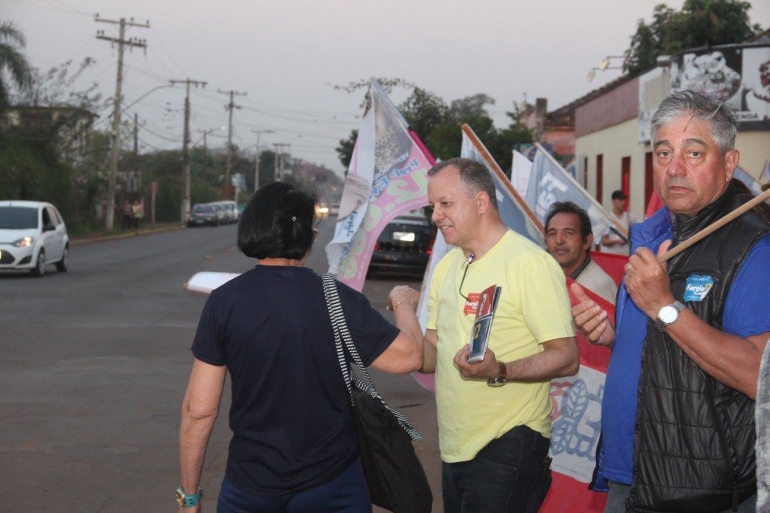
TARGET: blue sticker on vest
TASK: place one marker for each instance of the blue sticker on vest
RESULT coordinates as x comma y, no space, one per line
697,287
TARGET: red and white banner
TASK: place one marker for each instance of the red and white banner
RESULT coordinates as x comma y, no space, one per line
576,424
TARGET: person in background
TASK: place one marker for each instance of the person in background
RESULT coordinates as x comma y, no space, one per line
127,216
494,416
612,241
137,211
678,408
568,238
293,447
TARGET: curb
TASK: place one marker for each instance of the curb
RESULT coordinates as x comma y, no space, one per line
78,241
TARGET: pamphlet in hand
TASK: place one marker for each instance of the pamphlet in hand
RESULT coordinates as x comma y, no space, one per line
485,310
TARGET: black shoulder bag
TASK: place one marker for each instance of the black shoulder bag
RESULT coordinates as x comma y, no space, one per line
393,473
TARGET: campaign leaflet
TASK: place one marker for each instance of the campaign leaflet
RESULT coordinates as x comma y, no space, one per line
485,311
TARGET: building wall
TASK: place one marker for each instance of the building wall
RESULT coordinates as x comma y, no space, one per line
620,141
609,109
562,140
754,148
614,143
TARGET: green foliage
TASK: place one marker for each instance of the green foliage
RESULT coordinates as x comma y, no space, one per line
13,63
30,170
699,23
345,149
266,167
56,88
439,126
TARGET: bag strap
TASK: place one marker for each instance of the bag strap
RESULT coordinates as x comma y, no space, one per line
341,333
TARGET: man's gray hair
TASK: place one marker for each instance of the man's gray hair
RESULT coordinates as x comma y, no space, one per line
474,176
724,125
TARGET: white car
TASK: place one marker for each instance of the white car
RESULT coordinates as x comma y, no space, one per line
32,236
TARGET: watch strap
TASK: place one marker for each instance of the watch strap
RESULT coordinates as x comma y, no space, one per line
188,501
502,376
660,324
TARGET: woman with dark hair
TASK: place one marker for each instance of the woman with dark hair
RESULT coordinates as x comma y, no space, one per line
294,444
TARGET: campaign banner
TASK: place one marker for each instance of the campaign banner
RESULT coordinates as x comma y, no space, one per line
398,167
355,193
520,173
549,183
576,426
514,212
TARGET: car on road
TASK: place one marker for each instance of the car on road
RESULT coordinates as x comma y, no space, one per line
203,214
32,236
404,245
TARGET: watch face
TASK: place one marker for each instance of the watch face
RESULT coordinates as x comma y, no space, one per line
668,314
179,498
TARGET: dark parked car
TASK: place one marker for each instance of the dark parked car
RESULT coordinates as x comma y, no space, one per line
404,245
203,213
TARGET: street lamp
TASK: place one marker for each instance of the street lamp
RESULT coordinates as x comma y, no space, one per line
205,133
146,94
256,169
604,65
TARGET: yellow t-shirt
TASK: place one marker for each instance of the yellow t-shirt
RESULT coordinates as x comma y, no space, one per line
533,308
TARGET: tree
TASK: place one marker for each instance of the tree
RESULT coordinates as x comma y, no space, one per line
699,23
12,61
56,88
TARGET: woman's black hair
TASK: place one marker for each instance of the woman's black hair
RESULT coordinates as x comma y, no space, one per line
277,222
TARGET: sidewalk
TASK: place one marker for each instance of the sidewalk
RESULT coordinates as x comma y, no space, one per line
77,240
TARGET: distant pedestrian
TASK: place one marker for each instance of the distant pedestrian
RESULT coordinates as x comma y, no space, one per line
612,241
128,215
138,212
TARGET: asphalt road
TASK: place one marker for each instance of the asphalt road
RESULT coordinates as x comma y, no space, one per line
94,366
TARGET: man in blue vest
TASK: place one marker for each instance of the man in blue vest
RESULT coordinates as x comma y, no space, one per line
688,334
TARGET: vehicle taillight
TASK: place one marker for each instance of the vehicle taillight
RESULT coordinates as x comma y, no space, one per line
377,246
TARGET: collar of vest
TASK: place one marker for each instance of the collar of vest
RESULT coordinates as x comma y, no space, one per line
685,226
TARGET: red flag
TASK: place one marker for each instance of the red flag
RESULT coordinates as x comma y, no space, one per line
612,264
576,421
654,205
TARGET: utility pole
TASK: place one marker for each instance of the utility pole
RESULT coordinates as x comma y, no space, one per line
136,136
256,169
185,146
121,42
230,106
279,161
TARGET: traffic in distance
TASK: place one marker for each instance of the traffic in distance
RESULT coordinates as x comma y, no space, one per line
214,213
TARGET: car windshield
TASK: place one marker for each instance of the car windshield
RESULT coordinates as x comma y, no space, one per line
201,208
18,218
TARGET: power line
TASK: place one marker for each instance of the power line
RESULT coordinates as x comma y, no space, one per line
230,106
121,42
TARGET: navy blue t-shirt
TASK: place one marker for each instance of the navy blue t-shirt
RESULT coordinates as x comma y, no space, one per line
290,416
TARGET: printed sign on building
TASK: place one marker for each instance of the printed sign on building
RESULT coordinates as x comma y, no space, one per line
739,76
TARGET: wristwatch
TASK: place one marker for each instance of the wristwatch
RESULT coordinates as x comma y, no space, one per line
502,377
668,314
188,501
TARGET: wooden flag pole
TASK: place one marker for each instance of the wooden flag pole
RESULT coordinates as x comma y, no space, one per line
622,229
467,130
714,226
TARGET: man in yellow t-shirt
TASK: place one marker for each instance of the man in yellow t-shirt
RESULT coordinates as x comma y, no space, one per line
493,415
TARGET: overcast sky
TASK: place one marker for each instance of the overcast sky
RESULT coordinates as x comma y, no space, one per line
286,55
